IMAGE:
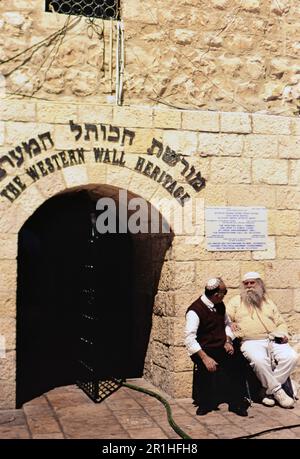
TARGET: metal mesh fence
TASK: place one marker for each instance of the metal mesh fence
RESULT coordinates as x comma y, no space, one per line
105,9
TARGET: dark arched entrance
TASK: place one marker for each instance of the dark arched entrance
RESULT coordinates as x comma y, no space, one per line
52,252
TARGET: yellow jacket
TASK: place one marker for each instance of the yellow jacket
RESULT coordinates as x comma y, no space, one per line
250,321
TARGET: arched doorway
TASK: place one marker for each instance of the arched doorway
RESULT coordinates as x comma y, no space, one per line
52,251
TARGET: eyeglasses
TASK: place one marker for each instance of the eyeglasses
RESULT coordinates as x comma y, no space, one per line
249,282
222,292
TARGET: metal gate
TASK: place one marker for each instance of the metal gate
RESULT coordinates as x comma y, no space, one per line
94,378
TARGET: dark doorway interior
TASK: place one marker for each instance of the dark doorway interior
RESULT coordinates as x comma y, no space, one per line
52,251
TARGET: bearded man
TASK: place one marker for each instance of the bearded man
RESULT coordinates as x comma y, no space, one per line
264,338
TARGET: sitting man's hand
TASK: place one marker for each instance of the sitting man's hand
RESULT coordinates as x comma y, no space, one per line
229,348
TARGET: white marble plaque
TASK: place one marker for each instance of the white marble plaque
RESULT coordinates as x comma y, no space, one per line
235,228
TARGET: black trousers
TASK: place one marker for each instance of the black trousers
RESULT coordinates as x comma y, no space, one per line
227,384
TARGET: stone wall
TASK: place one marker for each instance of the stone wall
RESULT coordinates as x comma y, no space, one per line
230,55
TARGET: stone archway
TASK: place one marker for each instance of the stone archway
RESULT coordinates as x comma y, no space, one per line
14,217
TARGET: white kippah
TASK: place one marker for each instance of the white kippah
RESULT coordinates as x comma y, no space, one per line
213,283
251,275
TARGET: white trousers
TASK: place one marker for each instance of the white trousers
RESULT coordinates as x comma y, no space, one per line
256,351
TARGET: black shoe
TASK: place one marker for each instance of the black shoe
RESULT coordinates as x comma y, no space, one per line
202,411
239,410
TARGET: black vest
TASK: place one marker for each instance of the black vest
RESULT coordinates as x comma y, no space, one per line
211,330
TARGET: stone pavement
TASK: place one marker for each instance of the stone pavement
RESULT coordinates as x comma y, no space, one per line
66,412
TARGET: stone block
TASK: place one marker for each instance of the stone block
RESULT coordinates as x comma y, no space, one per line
239,123
230,170
17,132
288,198
220,144
270,124
17,110
96,173
64,139
214,195
8,301
283,298
8,329
283,222
7,395
162,329
294,176
182,384
260,146
51,185
251,195
283,274
167,119
297,300
164,304
8,274
184,142
16,215
75,176
179,359
92,113
176,275
268,254
288,247
8,246
197,120
228,270
56,113
133,116
8,367
289,147
295,127
271,171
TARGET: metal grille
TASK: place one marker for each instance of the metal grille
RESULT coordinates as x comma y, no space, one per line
99,390
105,9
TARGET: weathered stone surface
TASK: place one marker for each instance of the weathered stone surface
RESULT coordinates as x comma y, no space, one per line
75,176
288,198
251,195
283,273
181,141
272,171
8,329
297,300
228,270
8,246
197,120
283,298
8,367
167,119
283,222
7,395
294,178
289,147
288,247
260,146
220,145
18,110
266,124
7,302
230,170
56,113
239,123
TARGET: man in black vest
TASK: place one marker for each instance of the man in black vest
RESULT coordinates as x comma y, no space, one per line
208,339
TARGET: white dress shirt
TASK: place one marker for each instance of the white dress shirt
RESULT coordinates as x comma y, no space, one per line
192,324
